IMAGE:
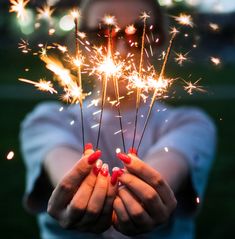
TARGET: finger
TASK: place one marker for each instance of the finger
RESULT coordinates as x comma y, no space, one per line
96,202
142,170
122,222
144,192
68,186
76,208
105,219
136,212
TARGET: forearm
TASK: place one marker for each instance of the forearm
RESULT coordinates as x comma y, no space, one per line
172,165
58,162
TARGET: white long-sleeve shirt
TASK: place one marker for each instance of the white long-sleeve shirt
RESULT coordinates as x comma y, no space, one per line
187,130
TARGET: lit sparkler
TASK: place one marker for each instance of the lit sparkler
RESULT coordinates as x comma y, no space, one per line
144,17
160,81
110,69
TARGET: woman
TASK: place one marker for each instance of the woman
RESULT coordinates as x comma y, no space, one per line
172,164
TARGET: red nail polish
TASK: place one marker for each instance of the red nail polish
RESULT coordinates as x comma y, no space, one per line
105,170
114,177
93,157
133,151
88,146
125,158
120,172
97,167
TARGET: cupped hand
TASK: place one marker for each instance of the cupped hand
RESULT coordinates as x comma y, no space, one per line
144,201
83,200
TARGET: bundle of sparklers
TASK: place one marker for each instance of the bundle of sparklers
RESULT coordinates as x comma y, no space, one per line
107,65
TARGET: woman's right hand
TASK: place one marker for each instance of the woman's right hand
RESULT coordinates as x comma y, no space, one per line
83,199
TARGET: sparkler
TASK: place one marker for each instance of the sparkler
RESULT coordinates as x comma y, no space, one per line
78,62
110,69
144,16
160,80
107,65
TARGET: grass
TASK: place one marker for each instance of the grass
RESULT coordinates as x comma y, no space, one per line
218,212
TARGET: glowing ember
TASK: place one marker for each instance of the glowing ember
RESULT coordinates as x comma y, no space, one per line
214,26
215,60
197,200
184,19
130,30
10,155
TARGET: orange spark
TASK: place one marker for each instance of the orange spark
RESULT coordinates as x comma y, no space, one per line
42,85
215,60
18,6
184,19
190,87
45,12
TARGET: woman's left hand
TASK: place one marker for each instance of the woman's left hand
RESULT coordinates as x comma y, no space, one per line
144,201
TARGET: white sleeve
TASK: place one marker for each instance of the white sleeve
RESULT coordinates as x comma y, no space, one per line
191,132
42,130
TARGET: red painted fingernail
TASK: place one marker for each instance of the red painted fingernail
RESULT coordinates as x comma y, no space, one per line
125,158
133,151
93,157
88,146
97,167
120,172
105,170
114,177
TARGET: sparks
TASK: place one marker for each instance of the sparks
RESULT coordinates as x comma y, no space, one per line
109,20
45,12
42,85
181,58
214,27
215,60
184,19
24,46
18,6
10,155
190,87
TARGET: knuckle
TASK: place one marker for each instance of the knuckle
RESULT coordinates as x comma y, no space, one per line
151,197
65,186
138,214
65,223
173,204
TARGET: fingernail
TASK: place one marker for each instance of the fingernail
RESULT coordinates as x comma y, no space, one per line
125,158
114,177
120,172
104,170
97,167
94,156
133,151
88,146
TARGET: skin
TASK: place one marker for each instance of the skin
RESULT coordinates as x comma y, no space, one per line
86,202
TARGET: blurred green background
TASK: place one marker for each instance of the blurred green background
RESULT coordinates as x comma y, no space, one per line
217,216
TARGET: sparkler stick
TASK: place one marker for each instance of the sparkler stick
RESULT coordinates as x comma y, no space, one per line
78,58
174,32
105,79
116,88
138,89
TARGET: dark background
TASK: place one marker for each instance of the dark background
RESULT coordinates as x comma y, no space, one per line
217,216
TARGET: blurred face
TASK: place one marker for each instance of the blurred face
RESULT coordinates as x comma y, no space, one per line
126,12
